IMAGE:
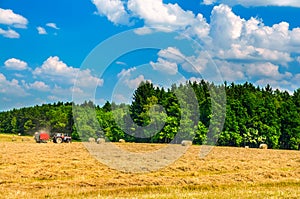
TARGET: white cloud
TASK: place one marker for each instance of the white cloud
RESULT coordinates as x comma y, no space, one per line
52,25
169,16
58,72
298,59
15,64
143,31
8,17
9,33
126,73
62,94
172,54
12,20
134,83
295,37
250,40
165,66
11,88
170,58
209,2
251,53
156,13
255,3
114,10
247,49
264,70
282,85
126,78
41,30
121,63
40,86
225,26
231,72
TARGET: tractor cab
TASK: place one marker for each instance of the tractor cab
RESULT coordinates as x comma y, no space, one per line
61,137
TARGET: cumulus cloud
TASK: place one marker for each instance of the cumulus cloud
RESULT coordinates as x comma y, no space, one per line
165,66
8,17
209,2
41,30
264,70
169,16
11,88
114,10
250,40
170,58
57,71
52,25
37,85
143,31
251,53
225,26
9,33
156,13
172,53
243,49
134,83
130,79
255,3
11,20
15,64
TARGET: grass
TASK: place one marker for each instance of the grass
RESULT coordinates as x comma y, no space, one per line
30,170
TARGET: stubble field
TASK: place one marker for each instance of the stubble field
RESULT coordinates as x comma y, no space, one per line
30,170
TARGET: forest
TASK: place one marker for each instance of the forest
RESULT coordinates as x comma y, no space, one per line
226,115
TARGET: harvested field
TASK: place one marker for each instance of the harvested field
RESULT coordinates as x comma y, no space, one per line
30,170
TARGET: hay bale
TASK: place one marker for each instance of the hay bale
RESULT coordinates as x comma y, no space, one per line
92,140
122,141
100,140
13,139
186,143
263,146
246,147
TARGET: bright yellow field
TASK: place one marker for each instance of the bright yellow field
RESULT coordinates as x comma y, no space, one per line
30,170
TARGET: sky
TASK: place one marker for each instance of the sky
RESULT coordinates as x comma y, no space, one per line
61,50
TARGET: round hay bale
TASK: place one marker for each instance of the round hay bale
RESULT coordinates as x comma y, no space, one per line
246,147
100,140
92,140
122,141
186,143
263,146
13,139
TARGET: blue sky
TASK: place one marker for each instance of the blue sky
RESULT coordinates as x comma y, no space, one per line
45,46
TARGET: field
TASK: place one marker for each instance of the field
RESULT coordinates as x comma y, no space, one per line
30,170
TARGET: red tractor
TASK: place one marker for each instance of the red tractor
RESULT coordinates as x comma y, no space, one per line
41,137
60,137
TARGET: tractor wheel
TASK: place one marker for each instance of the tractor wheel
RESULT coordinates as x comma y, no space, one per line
58,140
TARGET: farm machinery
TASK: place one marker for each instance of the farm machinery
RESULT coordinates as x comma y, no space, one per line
44,137
41,137
60,137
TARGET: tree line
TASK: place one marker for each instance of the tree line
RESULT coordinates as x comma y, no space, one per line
194,110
